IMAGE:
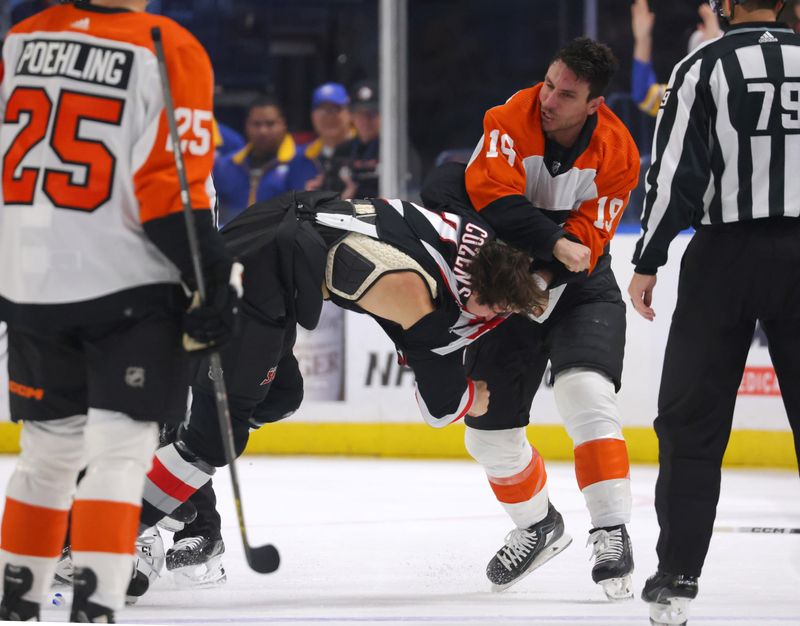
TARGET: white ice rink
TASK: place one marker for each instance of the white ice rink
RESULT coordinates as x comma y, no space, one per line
406,542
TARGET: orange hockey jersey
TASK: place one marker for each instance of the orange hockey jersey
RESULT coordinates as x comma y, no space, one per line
586,189
87,162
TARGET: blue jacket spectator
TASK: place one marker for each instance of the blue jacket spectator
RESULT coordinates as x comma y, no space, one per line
260,170
227,140
331,120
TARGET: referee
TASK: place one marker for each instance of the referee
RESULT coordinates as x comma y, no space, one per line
727,162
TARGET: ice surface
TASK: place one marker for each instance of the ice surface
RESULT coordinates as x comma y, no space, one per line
371,541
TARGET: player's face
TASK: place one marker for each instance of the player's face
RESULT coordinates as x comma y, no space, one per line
564,100
484,311
265,129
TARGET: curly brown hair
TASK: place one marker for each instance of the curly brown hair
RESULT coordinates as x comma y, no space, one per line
501,277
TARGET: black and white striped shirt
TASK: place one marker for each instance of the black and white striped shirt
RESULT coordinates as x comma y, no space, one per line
727,139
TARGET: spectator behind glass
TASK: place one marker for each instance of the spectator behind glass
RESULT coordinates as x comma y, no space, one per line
260,170
226,140
330,118
646,91
360,154
796,16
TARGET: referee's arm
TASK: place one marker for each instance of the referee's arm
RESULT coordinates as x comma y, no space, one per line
679,176
677,181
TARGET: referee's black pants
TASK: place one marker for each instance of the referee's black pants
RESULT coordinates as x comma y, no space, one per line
731,275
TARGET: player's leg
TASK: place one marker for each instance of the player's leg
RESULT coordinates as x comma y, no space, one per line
586,343
195,557
48,392
510,360
137,376
179,469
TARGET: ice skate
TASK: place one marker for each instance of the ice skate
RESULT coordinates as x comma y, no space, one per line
17,581
63,573
147,565
197,562
85,584
669,596
526,549
613,561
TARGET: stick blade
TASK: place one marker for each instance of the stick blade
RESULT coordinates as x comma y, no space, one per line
263,559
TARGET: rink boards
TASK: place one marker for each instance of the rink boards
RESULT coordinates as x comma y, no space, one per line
360,402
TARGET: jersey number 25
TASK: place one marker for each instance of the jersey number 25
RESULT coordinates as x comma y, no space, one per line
60,186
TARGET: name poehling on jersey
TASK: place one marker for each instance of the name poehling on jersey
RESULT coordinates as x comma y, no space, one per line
80,61
472,240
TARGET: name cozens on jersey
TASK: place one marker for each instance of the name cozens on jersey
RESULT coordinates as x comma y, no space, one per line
471,241
80,61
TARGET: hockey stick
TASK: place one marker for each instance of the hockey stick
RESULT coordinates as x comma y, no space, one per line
758,530
262,559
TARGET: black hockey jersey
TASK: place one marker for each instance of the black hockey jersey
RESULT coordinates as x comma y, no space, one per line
284,243
443,244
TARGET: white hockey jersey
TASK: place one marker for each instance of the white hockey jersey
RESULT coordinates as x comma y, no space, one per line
86,156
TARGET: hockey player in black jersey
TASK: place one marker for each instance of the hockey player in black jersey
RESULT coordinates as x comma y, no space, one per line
435,280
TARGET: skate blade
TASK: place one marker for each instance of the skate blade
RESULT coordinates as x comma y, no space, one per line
202,576
673,612
548,553
618,589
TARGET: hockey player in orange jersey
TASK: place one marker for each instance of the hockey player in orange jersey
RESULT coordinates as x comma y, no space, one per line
552,174
93,251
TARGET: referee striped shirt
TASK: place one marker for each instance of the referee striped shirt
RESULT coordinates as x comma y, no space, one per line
727,139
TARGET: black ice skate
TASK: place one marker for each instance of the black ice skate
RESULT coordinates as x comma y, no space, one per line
17,581
613,561
197,562
669,596
84,582
526,549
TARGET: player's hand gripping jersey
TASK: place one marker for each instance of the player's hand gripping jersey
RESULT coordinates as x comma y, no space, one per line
90,195
580,191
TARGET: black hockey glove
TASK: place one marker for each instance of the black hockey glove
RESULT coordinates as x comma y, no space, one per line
212,325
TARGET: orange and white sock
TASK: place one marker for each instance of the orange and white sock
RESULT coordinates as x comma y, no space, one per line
587,402
515,470
38,498
105,516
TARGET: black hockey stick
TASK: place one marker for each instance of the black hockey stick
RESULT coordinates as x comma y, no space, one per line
262,559
758,530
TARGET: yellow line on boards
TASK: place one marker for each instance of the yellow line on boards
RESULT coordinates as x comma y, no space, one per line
747,448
